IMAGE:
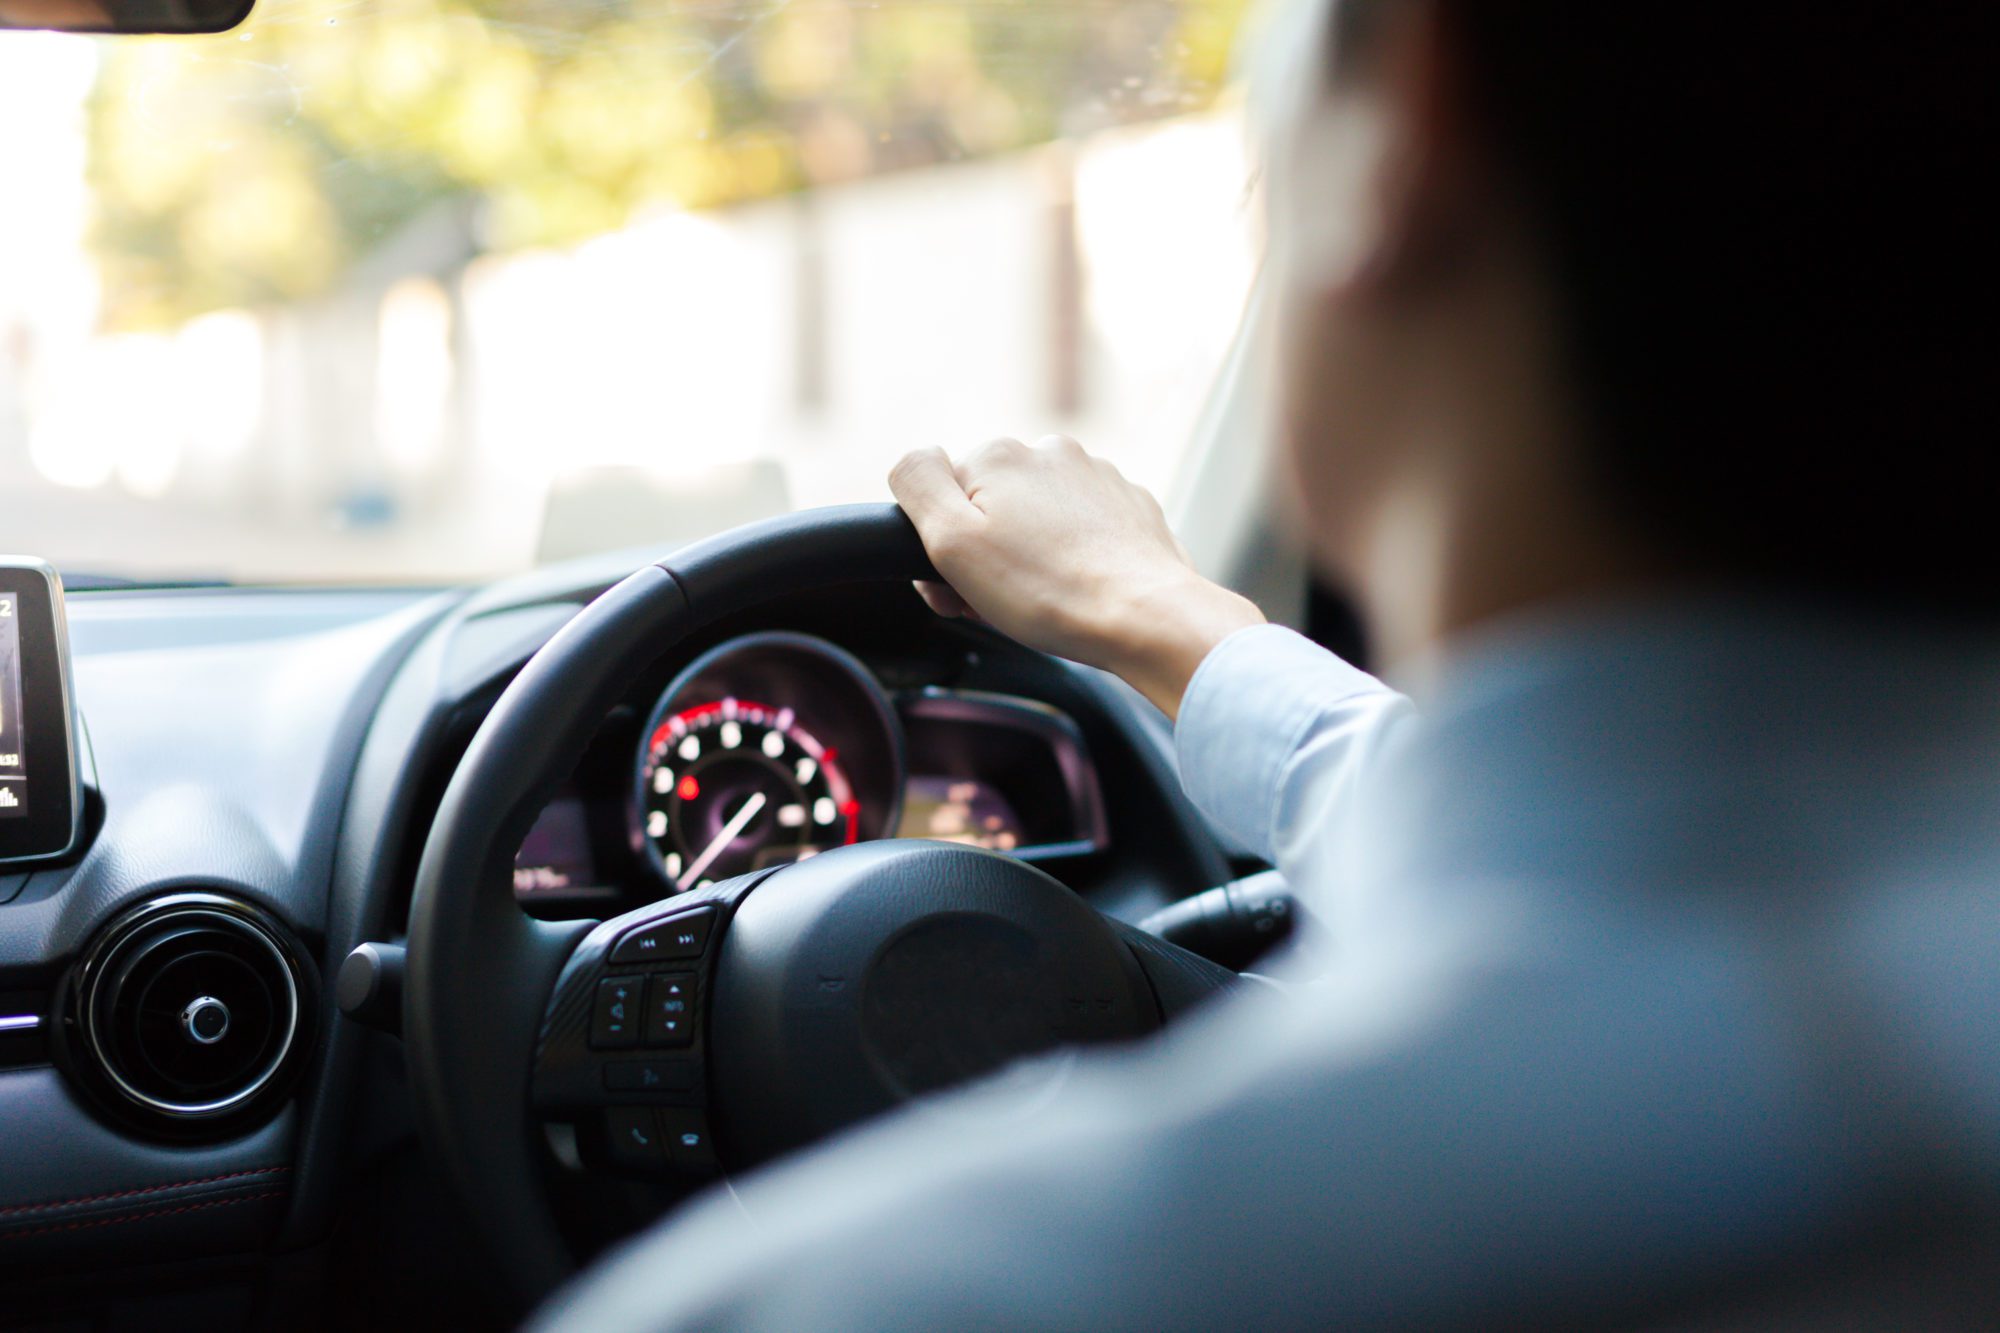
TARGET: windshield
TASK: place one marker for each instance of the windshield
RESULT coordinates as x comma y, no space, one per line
423,290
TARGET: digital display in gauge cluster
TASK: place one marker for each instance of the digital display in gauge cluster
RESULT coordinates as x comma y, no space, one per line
959,810
559,856
999,772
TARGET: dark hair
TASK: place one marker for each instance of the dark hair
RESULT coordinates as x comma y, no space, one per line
1762,226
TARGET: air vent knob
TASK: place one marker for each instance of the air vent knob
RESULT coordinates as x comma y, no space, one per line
205,1020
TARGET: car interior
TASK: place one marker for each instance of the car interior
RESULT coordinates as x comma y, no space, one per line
396,913
479,775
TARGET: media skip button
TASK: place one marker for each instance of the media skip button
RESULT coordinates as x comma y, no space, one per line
680,937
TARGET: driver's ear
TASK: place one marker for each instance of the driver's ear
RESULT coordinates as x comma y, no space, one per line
1405,186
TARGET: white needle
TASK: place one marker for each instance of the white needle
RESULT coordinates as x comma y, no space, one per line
744,815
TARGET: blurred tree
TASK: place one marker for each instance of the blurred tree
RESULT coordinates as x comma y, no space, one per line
257,165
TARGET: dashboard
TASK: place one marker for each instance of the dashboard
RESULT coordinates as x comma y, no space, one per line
259,773
774,746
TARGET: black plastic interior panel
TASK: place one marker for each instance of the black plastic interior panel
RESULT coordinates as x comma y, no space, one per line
223,765
79,1194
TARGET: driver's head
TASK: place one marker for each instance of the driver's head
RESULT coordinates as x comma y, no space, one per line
1578,294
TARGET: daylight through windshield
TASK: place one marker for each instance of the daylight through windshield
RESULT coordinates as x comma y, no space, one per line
433,289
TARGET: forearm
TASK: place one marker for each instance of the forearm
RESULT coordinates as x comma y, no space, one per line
1168,631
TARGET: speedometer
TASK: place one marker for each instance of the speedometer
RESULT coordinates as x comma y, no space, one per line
734,786
767,749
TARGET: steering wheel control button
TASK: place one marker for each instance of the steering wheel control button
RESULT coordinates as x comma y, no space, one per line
205,1020
686,1133
614,1022
634,1139
681,937
670,1009
649,1076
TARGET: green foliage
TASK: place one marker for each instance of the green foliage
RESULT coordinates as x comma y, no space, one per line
257,166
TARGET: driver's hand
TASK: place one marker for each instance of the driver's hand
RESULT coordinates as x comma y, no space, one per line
1057,549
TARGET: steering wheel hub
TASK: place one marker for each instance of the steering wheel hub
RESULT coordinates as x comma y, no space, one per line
873,974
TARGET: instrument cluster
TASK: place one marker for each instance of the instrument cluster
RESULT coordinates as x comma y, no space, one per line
773,747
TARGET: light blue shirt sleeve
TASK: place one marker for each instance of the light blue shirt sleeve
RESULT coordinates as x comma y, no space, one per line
1275,736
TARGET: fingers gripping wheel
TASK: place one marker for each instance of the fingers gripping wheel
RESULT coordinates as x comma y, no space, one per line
787,1006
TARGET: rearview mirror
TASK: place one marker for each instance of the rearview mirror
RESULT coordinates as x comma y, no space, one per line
171,16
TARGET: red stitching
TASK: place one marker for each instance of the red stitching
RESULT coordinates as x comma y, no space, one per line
141,1217
135,1193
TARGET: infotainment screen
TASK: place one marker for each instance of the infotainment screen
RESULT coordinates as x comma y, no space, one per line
40,805
13,768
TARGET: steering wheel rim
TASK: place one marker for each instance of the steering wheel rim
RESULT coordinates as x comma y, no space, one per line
479,969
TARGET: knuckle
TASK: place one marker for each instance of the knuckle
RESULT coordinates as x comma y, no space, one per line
909,465
1003,449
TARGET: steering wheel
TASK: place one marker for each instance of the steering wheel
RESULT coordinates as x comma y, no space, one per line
719,1028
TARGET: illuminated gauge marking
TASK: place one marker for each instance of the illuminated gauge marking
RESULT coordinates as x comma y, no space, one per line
751,788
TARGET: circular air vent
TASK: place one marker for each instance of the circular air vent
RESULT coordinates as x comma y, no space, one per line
187,1010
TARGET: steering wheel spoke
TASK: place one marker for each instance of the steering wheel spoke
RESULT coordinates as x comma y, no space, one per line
624,1046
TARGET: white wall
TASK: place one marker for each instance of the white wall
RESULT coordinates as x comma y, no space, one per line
674,345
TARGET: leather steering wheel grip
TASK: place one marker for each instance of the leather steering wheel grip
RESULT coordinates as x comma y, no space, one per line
479,970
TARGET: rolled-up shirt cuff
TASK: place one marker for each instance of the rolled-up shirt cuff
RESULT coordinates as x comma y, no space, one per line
1243,718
